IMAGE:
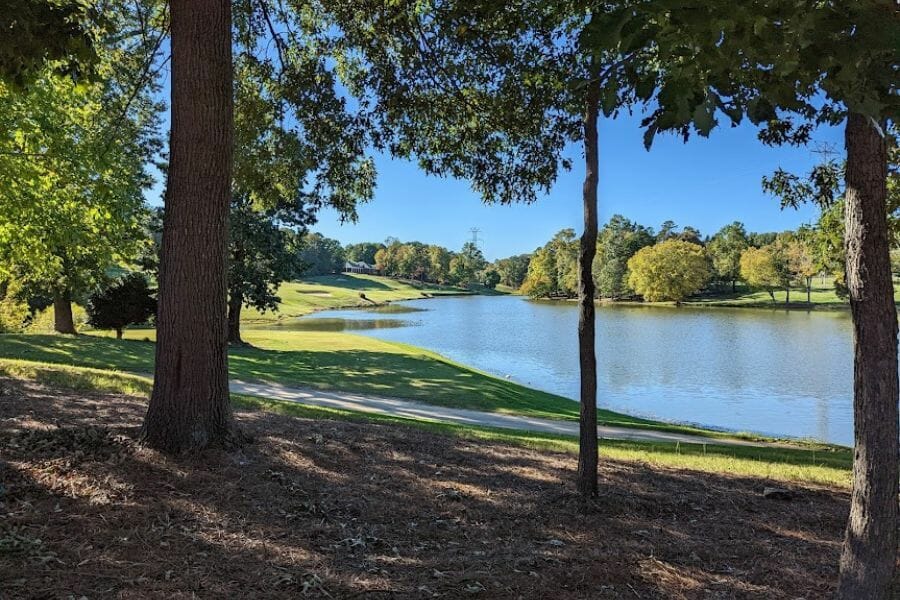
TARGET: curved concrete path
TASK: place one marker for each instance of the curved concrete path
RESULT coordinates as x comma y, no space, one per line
461,416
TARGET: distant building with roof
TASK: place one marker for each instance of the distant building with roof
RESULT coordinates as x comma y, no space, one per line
360,267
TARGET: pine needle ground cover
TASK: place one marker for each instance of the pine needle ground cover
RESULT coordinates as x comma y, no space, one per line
338,509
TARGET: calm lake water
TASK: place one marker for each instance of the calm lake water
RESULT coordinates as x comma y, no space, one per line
769,371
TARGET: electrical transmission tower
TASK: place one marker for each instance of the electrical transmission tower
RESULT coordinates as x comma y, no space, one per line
825,150
475,231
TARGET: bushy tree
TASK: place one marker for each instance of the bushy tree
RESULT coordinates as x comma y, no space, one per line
321,255
490,278
413,261
362,252
74,163
465,266
725,249
262,254
669,271
540,280
439,259
386,258
565,249
553,269
799,261
618,241
14,309
513,269
764,268
760,239
125,301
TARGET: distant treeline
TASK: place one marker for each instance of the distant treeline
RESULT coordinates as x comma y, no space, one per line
673,263
410,260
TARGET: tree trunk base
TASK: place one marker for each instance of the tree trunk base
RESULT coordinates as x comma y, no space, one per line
231,439
63,321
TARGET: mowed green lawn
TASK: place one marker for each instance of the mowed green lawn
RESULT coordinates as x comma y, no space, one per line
319,360
830,466
343,291
822,295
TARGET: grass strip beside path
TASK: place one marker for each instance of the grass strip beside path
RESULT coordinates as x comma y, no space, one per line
828,466
333,361
337,362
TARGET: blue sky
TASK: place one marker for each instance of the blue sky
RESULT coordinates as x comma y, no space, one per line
705,183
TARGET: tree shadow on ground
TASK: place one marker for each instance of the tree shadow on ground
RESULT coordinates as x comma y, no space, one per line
343,510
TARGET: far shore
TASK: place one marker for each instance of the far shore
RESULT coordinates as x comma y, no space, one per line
792,306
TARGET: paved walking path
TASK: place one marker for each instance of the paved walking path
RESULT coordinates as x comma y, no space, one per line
461,416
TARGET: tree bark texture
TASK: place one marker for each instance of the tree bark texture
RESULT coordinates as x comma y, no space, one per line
63,322
189,407
587,359
870,542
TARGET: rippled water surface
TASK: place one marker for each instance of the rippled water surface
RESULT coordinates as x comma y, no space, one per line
770,371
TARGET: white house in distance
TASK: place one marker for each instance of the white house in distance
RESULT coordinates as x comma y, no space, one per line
360,267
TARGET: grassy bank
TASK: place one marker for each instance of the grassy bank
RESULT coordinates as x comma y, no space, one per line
829,466
345,290
822,297
336,361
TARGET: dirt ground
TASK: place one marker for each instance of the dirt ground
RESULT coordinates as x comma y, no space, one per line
326,509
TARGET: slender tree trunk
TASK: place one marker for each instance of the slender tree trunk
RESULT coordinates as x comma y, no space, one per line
119,333
870,542
63,322
809,290
733,286
787,295
189,407
235,304
587,448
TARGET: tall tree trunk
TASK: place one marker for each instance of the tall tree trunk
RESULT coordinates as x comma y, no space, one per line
809,290
870,541
235,304
189,407
733,285
587,359
787,295
63,322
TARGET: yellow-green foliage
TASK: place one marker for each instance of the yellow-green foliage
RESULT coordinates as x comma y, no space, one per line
671,270
12,310
759,268
43,320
